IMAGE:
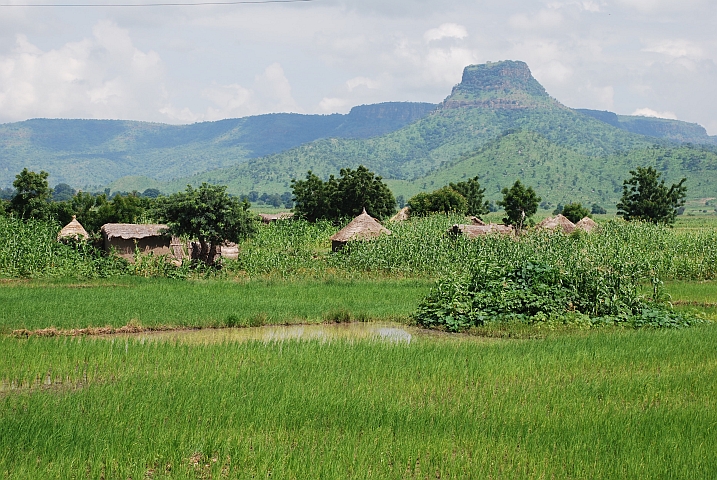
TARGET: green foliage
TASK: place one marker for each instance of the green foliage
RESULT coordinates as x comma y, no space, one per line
361,189
474,195
539,292
575,212
646,197
32,195
62,192
30,249
348,196
520,203
313,198
444,200
208,214
597,210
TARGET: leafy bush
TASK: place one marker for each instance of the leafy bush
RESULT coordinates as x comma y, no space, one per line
537,292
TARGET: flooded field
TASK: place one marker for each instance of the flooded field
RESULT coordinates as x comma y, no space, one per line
382,331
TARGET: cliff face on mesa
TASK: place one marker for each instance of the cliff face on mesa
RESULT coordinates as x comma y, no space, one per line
499,85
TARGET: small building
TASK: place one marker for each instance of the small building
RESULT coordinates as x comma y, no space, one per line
126,238
587,224
557,222
363,227
273,217
73,230
473,231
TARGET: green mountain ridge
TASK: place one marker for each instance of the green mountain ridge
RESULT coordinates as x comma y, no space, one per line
97,152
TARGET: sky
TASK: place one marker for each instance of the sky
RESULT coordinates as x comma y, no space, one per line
186,64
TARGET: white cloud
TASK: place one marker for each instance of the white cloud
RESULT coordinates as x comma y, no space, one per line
648,112
331,105
100,77
542,20
447,30
676,48
361,82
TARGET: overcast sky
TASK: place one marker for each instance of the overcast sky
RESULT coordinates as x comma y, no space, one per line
194,63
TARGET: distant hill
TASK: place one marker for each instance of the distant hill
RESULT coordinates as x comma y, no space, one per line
674,130
501,124
97,152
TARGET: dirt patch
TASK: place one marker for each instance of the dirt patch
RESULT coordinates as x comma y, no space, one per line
78,332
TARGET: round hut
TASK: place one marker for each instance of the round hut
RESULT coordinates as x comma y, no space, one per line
363,227
73,230
557,222
587,224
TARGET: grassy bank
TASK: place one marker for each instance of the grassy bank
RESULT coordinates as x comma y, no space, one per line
202,303
618,404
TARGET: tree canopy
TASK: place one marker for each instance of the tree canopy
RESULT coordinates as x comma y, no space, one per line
520,203
355,190
575,212
32,195
646,197
208,214
475,202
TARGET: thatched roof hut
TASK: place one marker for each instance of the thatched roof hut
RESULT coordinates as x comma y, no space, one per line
73,230
273,217
587,224
473,231
558,221
476,221
363,227
401,216
126,238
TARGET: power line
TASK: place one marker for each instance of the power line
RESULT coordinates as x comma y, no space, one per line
179,4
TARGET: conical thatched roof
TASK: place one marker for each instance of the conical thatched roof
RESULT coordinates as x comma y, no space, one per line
362,227
587,224
558,221
401,216
73,230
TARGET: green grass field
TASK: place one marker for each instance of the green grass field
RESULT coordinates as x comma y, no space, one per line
611,404
202,303
558,402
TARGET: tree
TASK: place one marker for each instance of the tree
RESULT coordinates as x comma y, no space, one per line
313,198
646,197
519,203
444,200
208,214
597,210
470,189
62,192
361,189
575,212
32,195
354,191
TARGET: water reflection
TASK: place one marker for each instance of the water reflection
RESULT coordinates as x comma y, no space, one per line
388,332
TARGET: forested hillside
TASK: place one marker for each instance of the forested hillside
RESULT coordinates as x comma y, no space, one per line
97,152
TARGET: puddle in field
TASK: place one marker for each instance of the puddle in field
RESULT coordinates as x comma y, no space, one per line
389,332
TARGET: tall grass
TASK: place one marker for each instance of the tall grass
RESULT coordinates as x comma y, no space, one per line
606,405
29,248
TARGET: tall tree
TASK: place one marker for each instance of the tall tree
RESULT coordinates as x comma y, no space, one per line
355,190
32,195
520,203
646,197
208,214
313,198
474,195
362,189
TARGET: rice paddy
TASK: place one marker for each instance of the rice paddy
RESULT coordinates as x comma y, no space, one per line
368,396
